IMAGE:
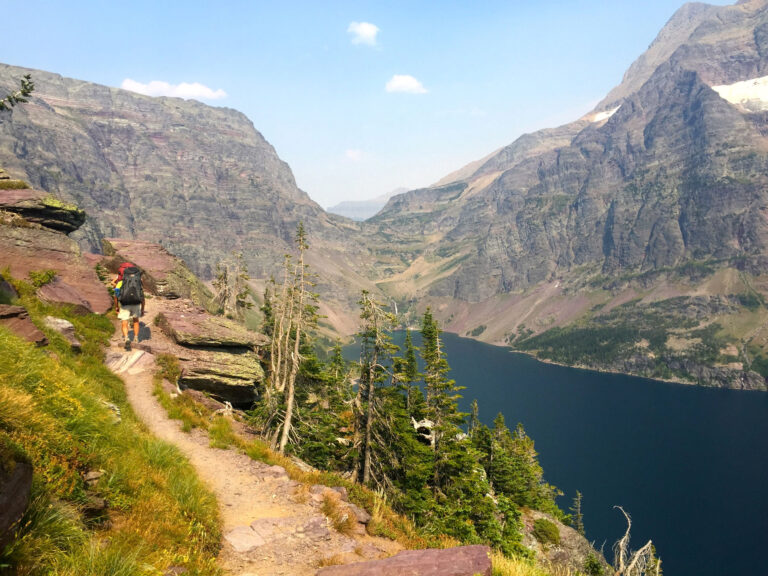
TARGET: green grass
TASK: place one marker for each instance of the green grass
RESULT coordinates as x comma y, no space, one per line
40,278
13,185
55,412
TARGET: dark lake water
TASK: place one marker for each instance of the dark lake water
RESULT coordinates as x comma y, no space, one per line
689,464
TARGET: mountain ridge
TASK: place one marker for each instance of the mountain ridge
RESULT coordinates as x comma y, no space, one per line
664,179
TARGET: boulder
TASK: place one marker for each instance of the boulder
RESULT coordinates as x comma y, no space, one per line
230,375
29,248
15,488
7,291
191,326
60,292
16,319
66,329
460,561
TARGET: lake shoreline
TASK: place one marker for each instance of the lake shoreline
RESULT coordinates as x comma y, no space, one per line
673,380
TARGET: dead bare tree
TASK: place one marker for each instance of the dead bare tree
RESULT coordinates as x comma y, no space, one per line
231,283
639,563
293,313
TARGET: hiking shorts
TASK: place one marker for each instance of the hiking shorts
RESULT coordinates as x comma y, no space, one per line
129,312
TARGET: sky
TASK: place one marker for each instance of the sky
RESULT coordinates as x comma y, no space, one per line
360,98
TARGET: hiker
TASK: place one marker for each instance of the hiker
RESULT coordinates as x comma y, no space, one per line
117,283
129,296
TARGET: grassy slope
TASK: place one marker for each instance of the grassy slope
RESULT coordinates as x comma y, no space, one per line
60,411
68,414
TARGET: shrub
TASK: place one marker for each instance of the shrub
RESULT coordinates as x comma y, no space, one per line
546,531
169,367
40,278
478,330
341,517
592,566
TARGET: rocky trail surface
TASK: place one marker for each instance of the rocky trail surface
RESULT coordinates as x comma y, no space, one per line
272,525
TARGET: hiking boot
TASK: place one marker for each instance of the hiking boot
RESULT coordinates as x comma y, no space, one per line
127,344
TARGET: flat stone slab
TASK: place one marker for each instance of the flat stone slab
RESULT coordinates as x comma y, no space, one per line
460,561
244,539
192,326
16,319
60,292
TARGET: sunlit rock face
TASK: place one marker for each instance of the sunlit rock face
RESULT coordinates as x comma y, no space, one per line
669,168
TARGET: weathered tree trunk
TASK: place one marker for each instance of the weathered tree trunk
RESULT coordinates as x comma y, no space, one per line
295,355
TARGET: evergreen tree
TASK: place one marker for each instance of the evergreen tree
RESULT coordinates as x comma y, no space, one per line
321,414
442,400
19,96
267,325
410,374
528,486
465,505
474,419
376,350
576,514
337,367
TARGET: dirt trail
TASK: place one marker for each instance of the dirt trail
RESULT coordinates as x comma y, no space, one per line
270,526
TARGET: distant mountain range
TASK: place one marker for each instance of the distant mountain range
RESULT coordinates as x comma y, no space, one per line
360,210
651,210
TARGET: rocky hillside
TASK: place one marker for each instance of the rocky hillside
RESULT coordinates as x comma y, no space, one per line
655,200
200,180
659,192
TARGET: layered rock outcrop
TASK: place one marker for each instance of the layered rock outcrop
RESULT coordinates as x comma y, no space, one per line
223,362
33,238
216,355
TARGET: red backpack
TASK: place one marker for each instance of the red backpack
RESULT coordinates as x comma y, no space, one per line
122,268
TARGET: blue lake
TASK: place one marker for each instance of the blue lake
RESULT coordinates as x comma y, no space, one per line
689,464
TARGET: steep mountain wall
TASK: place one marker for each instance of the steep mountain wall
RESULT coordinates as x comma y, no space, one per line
200,180
670,173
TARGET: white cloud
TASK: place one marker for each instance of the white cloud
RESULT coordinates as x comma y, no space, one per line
184,90
405,83
353,155
363,33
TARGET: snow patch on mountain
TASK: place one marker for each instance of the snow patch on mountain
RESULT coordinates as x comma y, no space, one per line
750,94
605,114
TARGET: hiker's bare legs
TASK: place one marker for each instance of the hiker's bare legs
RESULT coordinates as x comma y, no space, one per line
124,327
136,330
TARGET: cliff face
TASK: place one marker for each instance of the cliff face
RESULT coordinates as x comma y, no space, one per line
666,171
200,180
